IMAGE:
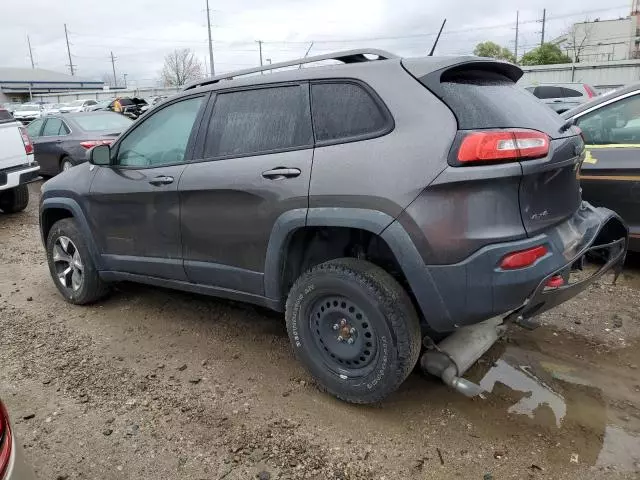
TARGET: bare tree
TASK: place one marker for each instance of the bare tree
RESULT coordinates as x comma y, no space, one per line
578,38
180,67
107,79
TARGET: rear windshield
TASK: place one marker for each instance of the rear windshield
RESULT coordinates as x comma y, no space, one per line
484,99
111,122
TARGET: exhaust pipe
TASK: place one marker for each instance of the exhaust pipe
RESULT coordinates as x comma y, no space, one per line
452,357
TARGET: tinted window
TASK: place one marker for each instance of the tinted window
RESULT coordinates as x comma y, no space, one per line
484,99
262,120
344,110
615,123
54,127
33,129
111,122
161,139
5,116
548,92
570,92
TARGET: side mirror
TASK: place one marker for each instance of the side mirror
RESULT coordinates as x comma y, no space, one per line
100,155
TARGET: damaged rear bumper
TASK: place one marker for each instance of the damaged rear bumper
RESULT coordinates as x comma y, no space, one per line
598,231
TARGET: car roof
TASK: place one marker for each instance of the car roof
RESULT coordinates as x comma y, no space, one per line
601,99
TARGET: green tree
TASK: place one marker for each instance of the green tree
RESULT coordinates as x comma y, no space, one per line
545,54
493,50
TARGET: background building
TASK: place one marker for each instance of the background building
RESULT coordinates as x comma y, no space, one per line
19,84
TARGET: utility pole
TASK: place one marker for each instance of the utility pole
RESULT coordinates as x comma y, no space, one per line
517,24
206,67
113,65
125,79
260,46
30,52
213,70
544,21
66,35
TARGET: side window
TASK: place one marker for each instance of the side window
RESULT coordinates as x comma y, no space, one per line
618,122
343,111
259,121
91,102
161,139
570,92
64,129
33,129
548,92
52,127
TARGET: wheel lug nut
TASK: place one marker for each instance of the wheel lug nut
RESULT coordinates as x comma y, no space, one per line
340,339
352,331
350,341
336,326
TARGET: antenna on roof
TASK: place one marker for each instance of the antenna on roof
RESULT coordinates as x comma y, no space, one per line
433,49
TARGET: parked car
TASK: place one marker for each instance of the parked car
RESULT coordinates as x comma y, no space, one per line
131,107
17,166
443,199
563,96
53,108
10,106
78,106
610,176
27,112
101,105
12,462
61,141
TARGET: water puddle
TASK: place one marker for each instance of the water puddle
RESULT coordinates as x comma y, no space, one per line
595,411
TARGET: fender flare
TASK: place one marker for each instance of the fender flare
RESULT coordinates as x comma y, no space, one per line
379,223
79,216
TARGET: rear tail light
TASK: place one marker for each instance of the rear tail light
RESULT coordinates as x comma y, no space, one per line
523,258
590,92
555,281
93,143
5,440
503,145
28,146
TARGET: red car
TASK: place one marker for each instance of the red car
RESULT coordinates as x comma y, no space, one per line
12,463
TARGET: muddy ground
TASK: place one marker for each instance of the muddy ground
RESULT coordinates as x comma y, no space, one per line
155,384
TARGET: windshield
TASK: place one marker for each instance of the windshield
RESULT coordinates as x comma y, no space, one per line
111,122
77,103
27,108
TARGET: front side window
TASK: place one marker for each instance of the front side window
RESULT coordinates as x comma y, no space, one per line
616,123
548,92
33,130
54,127
161,139
343,111
259,121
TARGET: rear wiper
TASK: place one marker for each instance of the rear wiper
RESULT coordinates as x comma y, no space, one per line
567,125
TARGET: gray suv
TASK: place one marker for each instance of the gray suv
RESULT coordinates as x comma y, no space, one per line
383,204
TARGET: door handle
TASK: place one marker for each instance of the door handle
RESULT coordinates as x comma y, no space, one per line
58,141
161,180
557,101
281,172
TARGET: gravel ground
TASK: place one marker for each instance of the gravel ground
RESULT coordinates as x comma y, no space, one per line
154,384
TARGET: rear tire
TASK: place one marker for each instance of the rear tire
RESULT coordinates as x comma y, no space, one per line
65,164
15,199
354,328
71,266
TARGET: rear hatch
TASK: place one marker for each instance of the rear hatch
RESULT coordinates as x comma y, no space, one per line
485,100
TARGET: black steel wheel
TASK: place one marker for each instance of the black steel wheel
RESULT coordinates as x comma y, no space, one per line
354,328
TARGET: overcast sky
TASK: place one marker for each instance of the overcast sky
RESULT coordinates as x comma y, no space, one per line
141,32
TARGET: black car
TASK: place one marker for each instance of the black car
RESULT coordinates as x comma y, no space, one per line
61,140
610,174
380,204
131,107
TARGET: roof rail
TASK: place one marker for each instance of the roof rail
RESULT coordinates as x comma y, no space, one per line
347,56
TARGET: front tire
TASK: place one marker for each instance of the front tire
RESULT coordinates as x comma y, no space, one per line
354,328
65,164
15,199
71,266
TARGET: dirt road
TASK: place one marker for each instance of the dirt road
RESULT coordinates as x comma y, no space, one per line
155,384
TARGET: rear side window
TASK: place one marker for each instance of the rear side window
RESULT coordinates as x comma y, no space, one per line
549,92
54,127
570,92
5,116
258,121
487,99
343,111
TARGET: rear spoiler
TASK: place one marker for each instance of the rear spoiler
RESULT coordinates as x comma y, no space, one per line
438,69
